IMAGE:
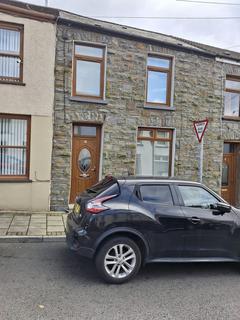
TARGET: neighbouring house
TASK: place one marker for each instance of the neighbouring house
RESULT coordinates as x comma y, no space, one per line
125,102
27,59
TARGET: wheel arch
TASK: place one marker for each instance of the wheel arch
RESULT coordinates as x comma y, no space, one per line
125,232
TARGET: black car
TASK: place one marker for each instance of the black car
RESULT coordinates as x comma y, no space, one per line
124,223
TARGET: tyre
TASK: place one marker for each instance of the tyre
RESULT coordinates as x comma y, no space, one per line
118,260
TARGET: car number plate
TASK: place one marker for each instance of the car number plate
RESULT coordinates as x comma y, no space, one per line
77,208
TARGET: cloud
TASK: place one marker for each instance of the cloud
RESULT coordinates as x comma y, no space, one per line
221,33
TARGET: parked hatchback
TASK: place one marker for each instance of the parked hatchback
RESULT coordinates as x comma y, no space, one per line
124,223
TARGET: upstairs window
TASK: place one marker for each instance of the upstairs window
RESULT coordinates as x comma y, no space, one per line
11,52
88,73
14,146
159,74
232,97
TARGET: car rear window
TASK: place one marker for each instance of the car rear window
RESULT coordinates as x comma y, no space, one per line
107,186
157,194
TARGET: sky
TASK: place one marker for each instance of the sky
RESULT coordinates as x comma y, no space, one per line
219,33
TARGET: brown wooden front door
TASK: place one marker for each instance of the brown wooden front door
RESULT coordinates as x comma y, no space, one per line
229,177
85,157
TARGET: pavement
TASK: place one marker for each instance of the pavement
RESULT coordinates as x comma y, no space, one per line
32,226
46,281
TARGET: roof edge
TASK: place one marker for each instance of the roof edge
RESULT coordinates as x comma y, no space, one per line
98,28
28,11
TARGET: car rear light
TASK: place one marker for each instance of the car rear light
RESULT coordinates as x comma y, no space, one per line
96,205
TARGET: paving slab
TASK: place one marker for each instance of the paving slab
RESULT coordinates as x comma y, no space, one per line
36,232
32,227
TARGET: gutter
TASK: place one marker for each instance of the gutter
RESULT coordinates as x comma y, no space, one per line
27,13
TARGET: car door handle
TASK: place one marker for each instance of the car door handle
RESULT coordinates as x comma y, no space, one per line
195,220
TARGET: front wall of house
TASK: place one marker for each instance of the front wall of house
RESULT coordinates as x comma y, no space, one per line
198,85
35,98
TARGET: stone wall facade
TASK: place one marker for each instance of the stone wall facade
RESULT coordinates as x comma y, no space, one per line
198,81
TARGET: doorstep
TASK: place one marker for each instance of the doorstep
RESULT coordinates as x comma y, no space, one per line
32,227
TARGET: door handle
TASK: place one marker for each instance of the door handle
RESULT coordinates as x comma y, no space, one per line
195,220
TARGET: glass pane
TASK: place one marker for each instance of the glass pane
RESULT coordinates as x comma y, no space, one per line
85,131
9,67
157,87
84,160
232,104
156,193
12,161
163,134
13,132
145,133
231,84
88,78
196,197
144,158
158,62
89,51
161,158
9,41
225,173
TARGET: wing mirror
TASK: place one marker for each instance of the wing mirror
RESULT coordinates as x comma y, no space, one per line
220,208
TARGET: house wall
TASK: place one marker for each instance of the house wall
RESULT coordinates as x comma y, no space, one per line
35,98
198,85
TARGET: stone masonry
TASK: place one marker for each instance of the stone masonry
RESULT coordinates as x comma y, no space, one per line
197,94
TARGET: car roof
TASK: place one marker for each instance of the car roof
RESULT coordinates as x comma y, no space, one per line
151,179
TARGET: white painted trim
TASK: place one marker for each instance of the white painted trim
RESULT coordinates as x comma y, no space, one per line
228,61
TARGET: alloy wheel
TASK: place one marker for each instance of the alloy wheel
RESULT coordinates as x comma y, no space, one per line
120,261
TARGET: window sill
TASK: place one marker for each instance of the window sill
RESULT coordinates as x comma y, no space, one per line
89,100
231,118
159,107
15,180
12,83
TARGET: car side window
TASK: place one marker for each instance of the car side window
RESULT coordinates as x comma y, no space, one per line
196,197
157,194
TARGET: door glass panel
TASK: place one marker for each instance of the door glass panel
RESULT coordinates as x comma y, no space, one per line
156,193
85,131
196,197
84,160
225,174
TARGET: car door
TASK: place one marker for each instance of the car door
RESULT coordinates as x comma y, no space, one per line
207,233
166,224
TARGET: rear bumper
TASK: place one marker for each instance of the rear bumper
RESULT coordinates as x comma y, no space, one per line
77,238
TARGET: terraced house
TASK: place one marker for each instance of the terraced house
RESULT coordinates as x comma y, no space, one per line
125,102
27,55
